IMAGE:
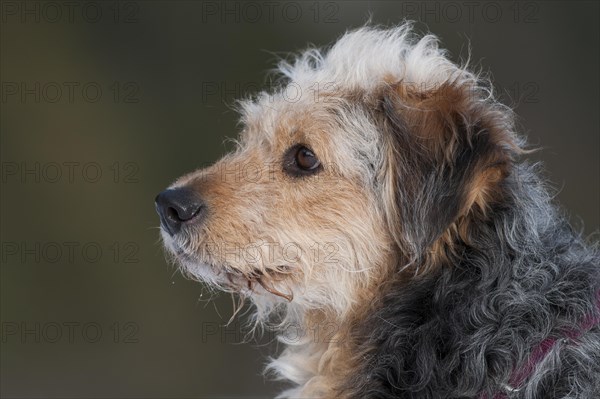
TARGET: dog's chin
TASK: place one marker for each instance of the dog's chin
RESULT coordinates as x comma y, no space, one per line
195,267
226,278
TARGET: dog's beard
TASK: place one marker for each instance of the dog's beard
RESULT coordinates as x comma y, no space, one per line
198,264
192,264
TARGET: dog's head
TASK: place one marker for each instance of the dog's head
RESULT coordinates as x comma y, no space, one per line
372,157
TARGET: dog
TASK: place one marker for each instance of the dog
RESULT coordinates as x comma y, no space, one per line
380,190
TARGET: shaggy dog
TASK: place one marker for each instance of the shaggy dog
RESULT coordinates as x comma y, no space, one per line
378,202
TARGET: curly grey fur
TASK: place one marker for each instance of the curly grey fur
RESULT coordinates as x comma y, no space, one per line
458,332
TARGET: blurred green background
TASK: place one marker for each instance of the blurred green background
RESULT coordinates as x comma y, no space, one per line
105,103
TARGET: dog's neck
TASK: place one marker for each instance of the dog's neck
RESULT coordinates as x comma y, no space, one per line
320,348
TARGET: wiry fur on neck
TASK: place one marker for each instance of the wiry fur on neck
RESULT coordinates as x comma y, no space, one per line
522,276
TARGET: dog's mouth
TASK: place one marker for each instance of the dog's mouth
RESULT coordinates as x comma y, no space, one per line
266,279
229,278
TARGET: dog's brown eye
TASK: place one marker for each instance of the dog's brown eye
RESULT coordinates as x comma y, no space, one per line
306,159
300,160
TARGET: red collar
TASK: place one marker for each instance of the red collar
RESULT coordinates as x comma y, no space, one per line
539,353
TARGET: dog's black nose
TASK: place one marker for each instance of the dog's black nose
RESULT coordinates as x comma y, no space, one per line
177,206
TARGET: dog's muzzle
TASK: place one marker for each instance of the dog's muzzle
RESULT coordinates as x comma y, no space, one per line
177,207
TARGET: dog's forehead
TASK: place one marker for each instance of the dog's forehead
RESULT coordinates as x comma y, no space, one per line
279,116
305,112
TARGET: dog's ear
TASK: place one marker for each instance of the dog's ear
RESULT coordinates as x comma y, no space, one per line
447,151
